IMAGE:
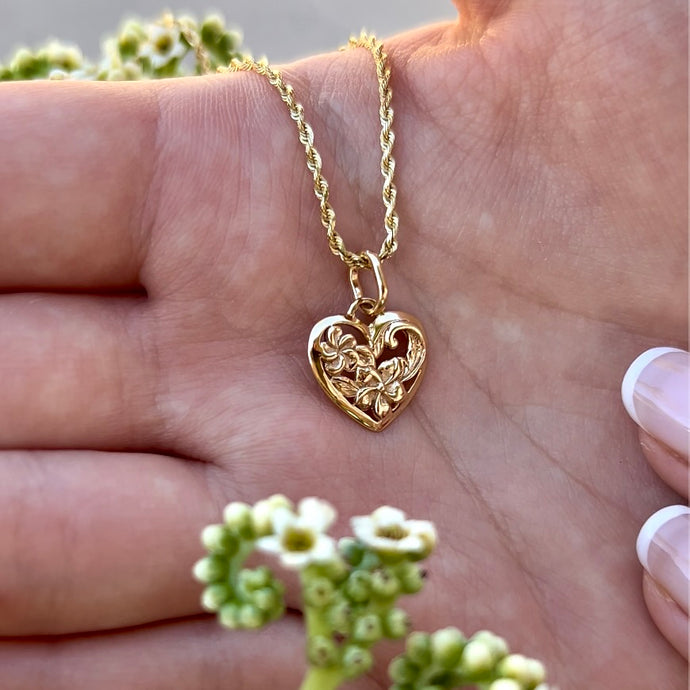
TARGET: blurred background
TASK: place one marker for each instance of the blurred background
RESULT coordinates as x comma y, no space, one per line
282,30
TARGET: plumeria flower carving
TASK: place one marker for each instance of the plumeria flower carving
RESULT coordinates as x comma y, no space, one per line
381,387
388,531
299,538
340,352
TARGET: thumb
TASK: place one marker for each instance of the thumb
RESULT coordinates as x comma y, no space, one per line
475,15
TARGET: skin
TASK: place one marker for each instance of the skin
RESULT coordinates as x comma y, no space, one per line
162,263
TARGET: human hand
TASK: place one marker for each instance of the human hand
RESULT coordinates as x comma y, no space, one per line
162,264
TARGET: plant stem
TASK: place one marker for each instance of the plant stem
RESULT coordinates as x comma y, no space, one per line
322,679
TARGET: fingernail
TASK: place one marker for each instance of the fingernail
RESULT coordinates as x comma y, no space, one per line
655,392
663,547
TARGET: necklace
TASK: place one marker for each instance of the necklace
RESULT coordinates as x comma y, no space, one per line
368,361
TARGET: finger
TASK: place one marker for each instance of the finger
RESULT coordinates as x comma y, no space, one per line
76,372
655,392
663,547
93,541
185,655
672,621
670,466
76,164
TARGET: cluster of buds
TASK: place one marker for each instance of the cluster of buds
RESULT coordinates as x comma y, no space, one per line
447,659
242,598
168,47
350,591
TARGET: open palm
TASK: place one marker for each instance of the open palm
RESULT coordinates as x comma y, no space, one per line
162,264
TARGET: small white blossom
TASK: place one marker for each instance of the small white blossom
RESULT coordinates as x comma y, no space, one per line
298,538
162,45
386,530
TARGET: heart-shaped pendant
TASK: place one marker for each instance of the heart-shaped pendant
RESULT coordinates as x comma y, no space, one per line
369,370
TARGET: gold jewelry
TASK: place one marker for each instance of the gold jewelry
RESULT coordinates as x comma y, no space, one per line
369,366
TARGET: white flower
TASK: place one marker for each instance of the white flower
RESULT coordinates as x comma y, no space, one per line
299,539
162,45
386,530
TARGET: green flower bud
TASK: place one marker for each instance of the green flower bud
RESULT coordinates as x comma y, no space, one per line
402,670
396,624
446,647
58,75
133,71
229,616
64,57
210,569
535,672
318,592
410,577
356,661
340,618
367,629
418,648
358,586
262,513
212,28
498,646
238,516
252,579
384,585
477,657
24,62
219,540
225,46
321,651
250,617
513,666
370,561
267,600
214,596
335,570
505,684
128,43
351,550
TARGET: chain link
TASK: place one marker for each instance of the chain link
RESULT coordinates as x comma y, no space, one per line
306,137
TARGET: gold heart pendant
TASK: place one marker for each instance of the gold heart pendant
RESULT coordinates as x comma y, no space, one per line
369,370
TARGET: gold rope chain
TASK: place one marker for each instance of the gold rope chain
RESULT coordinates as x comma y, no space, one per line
306,136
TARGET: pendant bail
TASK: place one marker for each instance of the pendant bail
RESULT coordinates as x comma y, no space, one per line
369,305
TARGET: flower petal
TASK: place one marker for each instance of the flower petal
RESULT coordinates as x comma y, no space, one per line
365,397
324,549
345,386
382,406
281,519
270,544
315,513
387,516
395,391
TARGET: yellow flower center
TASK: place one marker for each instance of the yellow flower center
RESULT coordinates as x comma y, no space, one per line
298,539
164,43
395,532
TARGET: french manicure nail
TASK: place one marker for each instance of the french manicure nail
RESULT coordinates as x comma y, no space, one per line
663,547
656,393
